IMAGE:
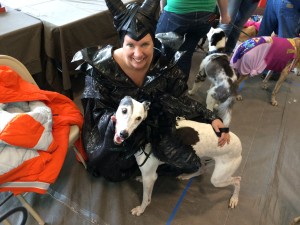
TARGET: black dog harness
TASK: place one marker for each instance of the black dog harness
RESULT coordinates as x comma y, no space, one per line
147,156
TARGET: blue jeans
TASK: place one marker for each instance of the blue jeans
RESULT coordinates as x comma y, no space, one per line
281,17
239,11
193,25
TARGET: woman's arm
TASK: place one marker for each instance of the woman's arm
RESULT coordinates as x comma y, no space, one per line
223,9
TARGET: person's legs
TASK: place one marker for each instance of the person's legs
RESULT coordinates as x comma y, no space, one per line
163,24
246,9
288,23
288,20
196,31
193,25
269,21
171,22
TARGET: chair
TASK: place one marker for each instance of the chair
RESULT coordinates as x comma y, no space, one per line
19,209
18,67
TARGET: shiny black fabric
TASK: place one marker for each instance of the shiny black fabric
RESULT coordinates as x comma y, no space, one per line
134,19
164,86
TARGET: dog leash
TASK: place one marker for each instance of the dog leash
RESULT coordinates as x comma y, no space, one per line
179,202
147,156
236,27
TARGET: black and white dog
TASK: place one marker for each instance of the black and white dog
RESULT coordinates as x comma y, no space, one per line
216,66
200,136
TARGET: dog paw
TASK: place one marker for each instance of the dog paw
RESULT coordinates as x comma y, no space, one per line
137,211
274,103
264,86
239,98
139,179
233,202
190,92
216,106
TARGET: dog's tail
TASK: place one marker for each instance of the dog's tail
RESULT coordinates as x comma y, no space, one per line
225,110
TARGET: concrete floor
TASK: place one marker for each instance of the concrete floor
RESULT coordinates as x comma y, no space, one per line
270,179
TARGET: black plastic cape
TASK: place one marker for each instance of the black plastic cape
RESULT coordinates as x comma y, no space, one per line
106,84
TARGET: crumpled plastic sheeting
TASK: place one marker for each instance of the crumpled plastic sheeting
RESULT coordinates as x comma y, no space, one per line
270,173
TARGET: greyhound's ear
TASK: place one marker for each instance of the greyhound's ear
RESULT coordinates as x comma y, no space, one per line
146,105
211,30
113,118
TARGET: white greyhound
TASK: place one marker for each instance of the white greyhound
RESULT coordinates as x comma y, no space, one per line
203,139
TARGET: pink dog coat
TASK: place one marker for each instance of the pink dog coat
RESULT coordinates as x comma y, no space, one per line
259,53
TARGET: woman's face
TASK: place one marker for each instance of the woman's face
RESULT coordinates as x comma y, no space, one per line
138,54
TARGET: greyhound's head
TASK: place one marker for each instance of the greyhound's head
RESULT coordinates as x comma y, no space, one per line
216,40
128,117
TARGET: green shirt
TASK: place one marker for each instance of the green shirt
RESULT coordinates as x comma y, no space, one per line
188,6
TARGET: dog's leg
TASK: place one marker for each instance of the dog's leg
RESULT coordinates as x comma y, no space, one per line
242,77
202,170
225,111
195,88
202,43
210,100
296,220
222,177
265,84
187,176
281,79
149,177
200,78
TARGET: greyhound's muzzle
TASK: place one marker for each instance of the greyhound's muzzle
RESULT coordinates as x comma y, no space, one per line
119,138
124,134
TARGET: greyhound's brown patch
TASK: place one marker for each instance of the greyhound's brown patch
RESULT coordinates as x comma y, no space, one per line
188,135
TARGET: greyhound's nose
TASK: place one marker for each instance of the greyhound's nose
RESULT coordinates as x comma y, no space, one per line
124,134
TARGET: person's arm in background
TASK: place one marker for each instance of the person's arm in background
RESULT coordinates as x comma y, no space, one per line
162,5
223,9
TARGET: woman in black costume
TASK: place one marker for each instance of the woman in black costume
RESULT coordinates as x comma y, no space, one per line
145,69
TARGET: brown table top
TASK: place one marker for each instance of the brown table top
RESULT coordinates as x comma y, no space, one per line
20,37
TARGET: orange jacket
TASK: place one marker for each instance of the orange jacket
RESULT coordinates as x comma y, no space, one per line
37,173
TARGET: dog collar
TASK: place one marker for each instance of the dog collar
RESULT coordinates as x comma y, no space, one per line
220,50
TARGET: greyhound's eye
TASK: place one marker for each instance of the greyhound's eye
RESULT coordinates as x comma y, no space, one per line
124,110
138,118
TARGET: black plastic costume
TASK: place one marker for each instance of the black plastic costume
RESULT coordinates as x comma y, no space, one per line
164,86
134,19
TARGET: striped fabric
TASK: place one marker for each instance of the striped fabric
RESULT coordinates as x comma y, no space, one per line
34,134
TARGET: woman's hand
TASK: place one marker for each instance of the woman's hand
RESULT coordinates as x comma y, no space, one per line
225,137
225,19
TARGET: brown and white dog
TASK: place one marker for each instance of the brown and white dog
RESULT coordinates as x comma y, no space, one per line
257,54
200,136
216,67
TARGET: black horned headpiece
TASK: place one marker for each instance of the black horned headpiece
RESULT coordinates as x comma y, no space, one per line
134,19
